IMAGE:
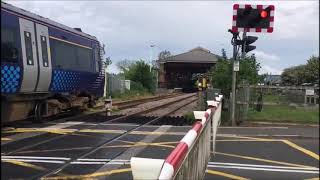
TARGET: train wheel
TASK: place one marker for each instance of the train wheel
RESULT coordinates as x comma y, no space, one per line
38,113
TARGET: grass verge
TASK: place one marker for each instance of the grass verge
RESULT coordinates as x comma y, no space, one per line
282,113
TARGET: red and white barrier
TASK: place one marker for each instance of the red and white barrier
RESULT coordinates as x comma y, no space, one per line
145,168
191,154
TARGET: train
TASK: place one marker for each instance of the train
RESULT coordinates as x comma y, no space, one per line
46,67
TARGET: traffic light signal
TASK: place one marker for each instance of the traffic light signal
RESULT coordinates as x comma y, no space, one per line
246,43
253,18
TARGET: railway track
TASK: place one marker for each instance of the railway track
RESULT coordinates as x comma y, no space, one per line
70,115
173,105
128,104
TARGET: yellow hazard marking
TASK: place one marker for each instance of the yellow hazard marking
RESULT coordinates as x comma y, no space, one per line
97,174
245,137
28,165
6,139
310,153
169,142
53,150
102,131
84,135
263,160
225,175
156,133
49,130
142,144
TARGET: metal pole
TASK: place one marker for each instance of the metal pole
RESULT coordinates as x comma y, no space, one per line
244,44
105,81
234,77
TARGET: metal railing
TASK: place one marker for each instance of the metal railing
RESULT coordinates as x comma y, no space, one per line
190,157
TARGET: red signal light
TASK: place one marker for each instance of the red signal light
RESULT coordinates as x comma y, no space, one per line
263,14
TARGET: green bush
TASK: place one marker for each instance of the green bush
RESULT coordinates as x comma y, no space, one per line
189,117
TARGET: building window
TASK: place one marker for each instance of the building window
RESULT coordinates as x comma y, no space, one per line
10,41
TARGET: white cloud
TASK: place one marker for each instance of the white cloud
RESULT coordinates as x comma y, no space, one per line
265,57
268,69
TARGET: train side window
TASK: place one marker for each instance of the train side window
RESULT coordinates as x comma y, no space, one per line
10,50
69,56
63,55
44,49
28,44
84,59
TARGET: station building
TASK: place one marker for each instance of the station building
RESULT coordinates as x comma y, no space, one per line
179,71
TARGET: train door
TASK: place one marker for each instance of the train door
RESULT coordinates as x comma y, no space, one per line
45,68
29,56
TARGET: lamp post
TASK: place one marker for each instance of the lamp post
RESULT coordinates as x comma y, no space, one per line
156,72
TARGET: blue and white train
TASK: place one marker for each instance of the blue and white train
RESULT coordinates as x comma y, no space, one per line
46,67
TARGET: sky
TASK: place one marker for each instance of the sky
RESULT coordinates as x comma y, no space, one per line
129,28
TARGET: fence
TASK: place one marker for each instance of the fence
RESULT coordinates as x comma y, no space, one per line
250,100
117,83
190,157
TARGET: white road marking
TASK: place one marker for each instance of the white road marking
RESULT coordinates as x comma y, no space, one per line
266,166
268,127
120,160
125,124
106,160
265,169
115,162
34,157
76,162
260,135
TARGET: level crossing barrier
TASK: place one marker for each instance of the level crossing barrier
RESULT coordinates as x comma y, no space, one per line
190,157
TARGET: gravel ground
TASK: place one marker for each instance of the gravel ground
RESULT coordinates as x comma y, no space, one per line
149,105
185,109
165,110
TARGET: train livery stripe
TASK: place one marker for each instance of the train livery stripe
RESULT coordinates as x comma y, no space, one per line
76,44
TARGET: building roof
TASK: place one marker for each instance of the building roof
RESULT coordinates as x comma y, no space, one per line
44,20
196,55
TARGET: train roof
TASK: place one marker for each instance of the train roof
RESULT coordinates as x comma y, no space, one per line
44,20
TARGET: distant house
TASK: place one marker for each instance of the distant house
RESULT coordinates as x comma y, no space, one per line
272,80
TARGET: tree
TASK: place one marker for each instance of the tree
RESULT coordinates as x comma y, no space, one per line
249,68
124,65
312,69
139,72
224,54
164,54
221,74
108,61
297,75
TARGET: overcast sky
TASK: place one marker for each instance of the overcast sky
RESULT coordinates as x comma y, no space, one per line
128,28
